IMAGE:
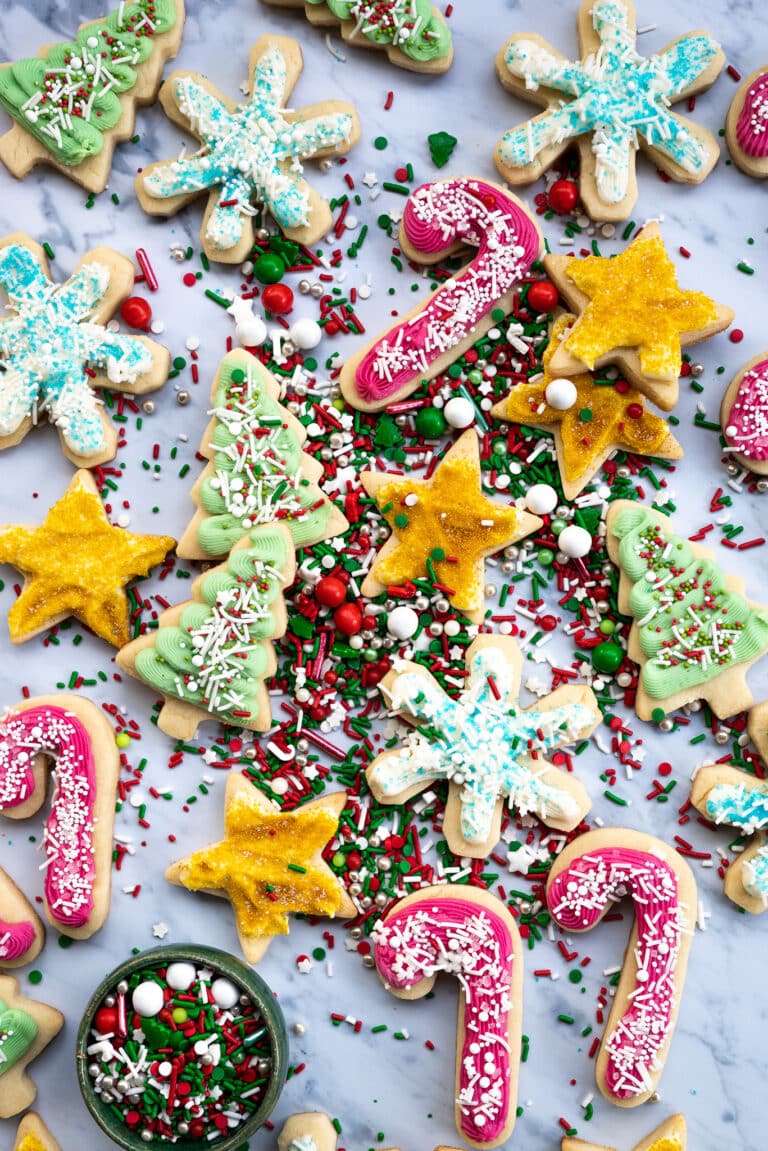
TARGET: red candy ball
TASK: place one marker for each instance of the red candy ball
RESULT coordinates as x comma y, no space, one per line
330,591
543,296
563,196
105,1020
136,312
348,618
277,299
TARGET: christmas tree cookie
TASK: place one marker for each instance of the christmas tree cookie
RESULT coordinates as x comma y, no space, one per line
694,634
250,153
74,101
668,1136
591,418
413,33
27,1026
269,864
257,470
210,656
55,349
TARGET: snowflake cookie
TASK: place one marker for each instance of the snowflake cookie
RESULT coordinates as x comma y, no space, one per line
485,745
251,153
612,101
55,349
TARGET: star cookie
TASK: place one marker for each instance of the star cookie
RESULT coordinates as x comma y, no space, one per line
631,312
601,418
249,152
744,416
443,528
612,102
55,349
269,864
77,564
668,1136
486,746
22,934
26,1029
33,1135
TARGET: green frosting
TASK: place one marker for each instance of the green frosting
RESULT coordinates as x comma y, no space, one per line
69,99
217,657
18,1032
413,26
257,466
691,626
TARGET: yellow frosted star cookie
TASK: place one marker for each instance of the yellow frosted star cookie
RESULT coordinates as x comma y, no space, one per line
631,312
269,864
77,564
589,421
33,1135
669,1136
443,527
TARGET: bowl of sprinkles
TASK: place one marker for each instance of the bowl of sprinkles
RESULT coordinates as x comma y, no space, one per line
183,1045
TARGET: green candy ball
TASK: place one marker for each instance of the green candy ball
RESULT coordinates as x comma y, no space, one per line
269,268
430,423
545,557
475,377
607,627
558,526
607,657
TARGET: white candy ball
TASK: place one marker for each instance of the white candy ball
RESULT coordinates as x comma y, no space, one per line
541,499
225,993
574,541
305,333
251,331
402,622
180,976
459,412
148,999
561,394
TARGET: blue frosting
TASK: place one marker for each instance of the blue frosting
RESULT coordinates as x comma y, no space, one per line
616,95
49,341
747,809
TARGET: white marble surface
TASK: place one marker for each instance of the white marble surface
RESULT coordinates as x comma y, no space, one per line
715,1072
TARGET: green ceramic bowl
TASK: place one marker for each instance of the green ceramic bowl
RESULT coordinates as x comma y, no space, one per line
250,984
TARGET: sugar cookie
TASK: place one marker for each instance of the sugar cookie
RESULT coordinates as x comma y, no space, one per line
746,126
22,934
269,864
668,1136
586,880
744,415
26,1029
209,657
485,745
69,318
33,1135
611,102
726,795
249,152
469,933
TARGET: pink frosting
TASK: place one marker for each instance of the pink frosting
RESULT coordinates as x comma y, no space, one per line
578,898
436,217
752,124
70,869
465,939
15,939
746,427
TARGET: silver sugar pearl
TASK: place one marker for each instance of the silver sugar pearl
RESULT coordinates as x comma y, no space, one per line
354,877
288,347
401,421
508,567
182,398
376,642
302,745
326,454
147,1135
122,987
421,603
182,1128
298,1029
623,472
501,358
624,679
263,1067
374,840
122,1084
435,629
697,369
262,234
695,705
316,291
304,286
732,469
666,724
355,889
381,899
762,485
300,389
385,864
442,605
93,1070
366,902
368,961
722,737
109,1001
206,1060
356,932
326,165
107,1083
244,1001
148,406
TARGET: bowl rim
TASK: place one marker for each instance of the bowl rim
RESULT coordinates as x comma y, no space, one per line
231,967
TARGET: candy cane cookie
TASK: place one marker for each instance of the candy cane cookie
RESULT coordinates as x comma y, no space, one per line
72,736
467,932
746,126
587,879
22,934
438,221
744,415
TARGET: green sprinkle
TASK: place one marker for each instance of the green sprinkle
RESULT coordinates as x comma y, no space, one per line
380,143
35,977
217,299
399,188
615,799
566,1019
49,251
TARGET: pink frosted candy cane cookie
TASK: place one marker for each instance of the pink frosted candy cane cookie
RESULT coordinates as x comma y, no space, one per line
746,127
440,219
744,411
21,930
587,879
469,933
72,735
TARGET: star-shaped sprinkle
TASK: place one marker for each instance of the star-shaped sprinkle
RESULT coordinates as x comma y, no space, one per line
631,312
613,101
33,1135
159,930
668,1136
443,528
251,152
269,864
604,416
26,1029
485,745
77,564
735,798
54,348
